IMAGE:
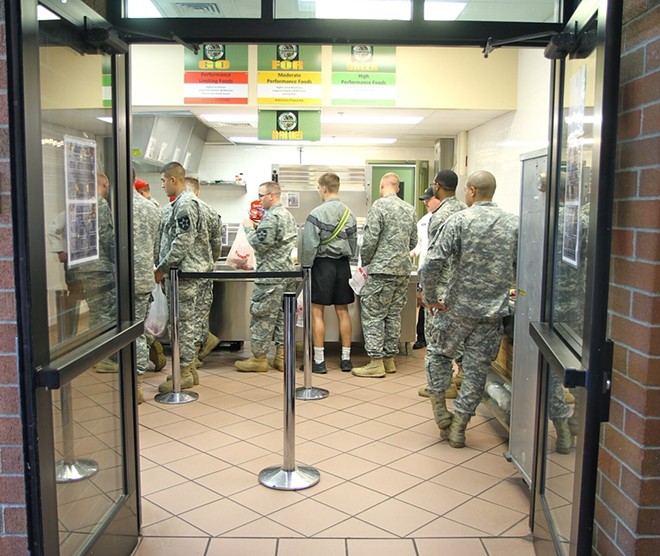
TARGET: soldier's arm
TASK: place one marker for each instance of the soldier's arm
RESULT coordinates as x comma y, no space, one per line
186,220
215,235
310,242
264,235
106,230
436,259
372,230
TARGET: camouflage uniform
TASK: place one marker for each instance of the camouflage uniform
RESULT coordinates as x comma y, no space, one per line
184,244
390,233
98,277
482,245
146,233
448,207
213,227
273,239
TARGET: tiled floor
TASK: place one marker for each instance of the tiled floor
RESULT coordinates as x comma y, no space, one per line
388,484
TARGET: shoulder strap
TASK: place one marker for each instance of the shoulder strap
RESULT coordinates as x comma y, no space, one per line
339,227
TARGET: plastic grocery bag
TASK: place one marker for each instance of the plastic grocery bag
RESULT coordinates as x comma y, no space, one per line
300,311
358,279
241,255
156,321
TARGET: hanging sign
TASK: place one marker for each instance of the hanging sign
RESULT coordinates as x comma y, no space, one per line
217,74
106,82
289,125
363,75
289,74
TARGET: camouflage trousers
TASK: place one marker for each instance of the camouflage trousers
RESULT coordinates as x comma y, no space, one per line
99,293
204,303
557,406
480,339
381,301
188,295
267,314
142,304
433,355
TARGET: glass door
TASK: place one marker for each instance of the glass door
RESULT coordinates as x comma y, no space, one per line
78,334
576,355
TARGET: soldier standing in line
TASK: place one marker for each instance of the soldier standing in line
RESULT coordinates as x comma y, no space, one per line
206,341
390,233
444,189
481,243
273,239
146,236
184,245
329,242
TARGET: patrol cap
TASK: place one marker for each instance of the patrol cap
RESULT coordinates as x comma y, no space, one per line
447,179
140,184
427,194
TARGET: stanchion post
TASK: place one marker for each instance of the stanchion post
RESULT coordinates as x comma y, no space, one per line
289,476
176,396
308,392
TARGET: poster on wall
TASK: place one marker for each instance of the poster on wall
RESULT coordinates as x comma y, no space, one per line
217,74
81,205
363,75
289,125
289,74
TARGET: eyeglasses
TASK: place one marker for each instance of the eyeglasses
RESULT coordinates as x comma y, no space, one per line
261,195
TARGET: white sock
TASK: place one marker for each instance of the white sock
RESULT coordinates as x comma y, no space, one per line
345,353
319,355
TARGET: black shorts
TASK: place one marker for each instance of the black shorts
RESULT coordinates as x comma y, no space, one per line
330,282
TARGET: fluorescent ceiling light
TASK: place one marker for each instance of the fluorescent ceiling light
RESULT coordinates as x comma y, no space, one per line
142,8
230,118
323,141
106,119
44,14
364,9
442,11
344,119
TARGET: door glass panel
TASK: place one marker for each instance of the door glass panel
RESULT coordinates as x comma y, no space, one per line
78,185
577,143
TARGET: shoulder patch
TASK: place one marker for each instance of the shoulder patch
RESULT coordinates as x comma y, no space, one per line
262,235
183,223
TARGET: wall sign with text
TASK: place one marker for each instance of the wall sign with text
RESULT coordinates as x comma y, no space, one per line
363,75
218,74
289,74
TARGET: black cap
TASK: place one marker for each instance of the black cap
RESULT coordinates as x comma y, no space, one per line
427,194
446,179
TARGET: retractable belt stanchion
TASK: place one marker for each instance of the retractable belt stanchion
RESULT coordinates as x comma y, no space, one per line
307,392
289,476
69,469
176,395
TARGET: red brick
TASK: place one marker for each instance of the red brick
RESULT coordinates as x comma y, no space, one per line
639,92
653,55
11,459
646,308
635,335
622,243
644,368
12,490
641,275
615,499
604,544
649,182
648,246
8,369
7,275
616,415
625,184
625,540
644,491
604,515
641,430
7,337
609,466
632,65
641,213
9,400
650,462
8,306
6,241
650,119
631,10
14,546
630,124
10,431
619,300
15,520
622,448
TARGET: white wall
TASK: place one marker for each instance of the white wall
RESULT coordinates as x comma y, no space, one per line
497,145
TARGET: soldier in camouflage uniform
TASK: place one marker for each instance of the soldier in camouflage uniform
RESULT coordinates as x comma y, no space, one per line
482,244
444,189
390,233
273,239
146,235
184,245
206,341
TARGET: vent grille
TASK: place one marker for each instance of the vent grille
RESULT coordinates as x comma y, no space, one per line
197,9
303,177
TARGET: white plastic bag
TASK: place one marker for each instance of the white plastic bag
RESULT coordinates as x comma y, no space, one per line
300,311
241,255
156,321
358,279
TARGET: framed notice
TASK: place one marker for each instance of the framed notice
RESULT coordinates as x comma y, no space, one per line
289,74
82,227
363,75
217,74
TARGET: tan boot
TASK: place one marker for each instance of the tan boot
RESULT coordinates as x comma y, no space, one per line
440,413
458,377
374,369
187,381
423,391
452,391
455,434
157,356
140,380
388,363
193,372
254,364
278,361
564,439
209,345
573,424
569,398
106,366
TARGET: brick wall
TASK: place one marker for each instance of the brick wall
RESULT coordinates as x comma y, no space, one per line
627,507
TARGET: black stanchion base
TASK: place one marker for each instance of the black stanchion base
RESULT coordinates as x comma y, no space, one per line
77,470
311,393
297,479
177,397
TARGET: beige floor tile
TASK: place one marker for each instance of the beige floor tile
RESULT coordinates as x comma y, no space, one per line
350,498
264,528
466,480
312,452
308,517
460,547
197,466
150,437
486,516
172,527
305,547
165,453
343,420
209,440
442,450
218,419
166,546
240,452
397,517
242,547
520,529
343,440
181,498
153,514
491,464
388,481
184,428
220,517
509,547
311,430
346,466
265,500
369,547
443,527
412,441
354,528
433,498
420,466
368,410
229,481
160,478
246,429
375,430
512,493
159,420
395,402
380,452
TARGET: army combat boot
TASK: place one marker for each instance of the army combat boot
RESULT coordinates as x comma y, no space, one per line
564,438
458,378
157,356
193,372
278,361
423,391
187,381
452,391
209,345
389,364
140,380
455,434
254,364
374,369
106,366
440,413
